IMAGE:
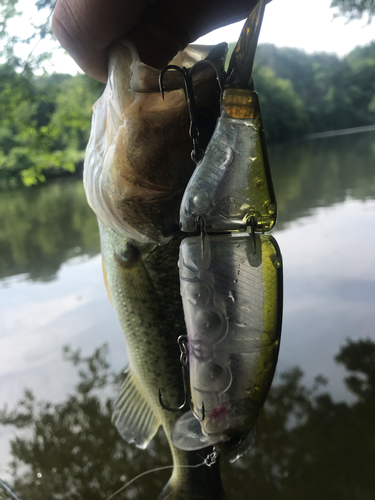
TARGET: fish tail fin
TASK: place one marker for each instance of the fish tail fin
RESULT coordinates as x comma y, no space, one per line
132,415
200,483
170,492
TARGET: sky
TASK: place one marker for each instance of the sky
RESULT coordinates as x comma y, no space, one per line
307,25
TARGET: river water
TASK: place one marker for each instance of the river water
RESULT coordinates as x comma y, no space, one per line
316,436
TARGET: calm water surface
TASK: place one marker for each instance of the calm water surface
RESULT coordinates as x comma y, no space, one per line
316,435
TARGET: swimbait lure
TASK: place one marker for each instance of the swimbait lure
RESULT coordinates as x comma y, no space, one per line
231,273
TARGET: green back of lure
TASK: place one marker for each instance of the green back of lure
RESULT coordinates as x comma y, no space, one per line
232,185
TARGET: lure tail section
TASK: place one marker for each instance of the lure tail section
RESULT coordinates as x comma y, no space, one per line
231,287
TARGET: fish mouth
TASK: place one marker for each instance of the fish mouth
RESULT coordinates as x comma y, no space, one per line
138,159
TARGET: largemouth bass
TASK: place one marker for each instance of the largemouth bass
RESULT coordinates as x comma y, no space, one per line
136,179
136,170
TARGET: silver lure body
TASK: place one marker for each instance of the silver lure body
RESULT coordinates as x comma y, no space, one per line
231,277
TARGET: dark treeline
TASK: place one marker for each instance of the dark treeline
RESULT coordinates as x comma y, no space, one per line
305,93
45,121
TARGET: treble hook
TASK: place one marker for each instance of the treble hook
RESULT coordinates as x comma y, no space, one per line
187,75
182,342
253,225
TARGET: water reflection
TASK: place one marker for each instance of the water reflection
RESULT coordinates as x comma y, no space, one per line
303,448
321,173
42,227
48,297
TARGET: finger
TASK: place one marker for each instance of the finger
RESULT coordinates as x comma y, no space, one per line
87,28
159,28
169,25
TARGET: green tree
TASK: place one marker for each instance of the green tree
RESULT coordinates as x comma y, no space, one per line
355,9
334,93
10,10
45,123
282,109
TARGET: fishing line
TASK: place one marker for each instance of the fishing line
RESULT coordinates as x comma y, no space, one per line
208,461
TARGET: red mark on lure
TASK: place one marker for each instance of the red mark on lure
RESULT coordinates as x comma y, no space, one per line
221,411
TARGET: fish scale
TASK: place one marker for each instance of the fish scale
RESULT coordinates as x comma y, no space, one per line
145,289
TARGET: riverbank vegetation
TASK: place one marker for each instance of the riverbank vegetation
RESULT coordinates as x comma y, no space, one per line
45,120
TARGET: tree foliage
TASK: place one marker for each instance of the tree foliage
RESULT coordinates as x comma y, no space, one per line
282,109
45,121
334,93
11,10
355,9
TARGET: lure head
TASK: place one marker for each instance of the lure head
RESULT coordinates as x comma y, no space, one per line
231,189
232,185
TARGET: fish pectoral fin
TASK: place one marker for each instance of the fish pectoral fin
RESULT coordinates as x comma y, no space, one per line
106,282
133,416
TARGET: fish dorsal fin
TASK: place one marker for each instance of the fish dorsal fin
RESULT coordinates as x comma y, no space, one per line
133,416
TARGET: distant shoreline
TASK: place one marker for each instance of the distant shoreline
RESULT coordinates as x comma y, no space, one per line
344,131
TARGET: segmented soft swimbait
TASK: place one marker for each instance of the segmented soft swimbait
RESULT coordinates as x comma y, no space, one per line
231,275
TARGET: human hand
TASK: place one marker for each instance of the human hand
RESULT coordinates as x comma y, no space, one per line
159,28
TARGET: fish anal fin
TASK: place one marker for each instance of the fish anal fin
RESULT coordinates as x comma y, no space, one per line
132,415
